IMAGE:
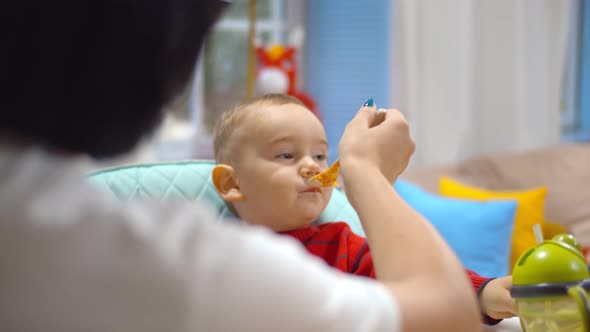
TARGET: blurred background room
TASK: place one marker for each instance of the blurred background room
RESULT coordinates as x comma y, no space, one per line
496,92
472,77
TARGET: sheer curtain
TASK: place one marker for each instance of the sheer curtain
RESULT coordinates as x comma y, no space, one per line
479,76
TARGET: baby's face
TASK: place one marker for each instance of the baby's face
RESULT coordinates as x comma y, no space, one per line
284,147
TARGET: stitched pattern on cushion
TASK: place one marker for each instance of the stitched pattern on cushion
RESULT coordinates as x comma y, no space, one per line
190,181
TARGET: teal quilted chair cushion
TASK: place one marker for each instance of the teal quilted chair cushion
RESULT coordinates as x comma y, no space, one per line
190,181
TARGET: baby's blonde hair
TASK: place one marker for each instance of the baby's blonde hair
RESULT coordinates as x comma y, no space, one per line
230,121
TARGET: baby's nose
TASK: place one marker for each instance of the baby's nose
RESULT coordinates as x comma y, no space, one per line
310,169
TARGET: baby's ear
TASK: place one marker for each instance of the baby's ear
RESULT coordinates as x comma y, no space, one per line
226,183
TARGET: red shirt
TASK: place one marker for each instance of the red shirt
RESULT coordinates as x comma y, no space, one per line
338,246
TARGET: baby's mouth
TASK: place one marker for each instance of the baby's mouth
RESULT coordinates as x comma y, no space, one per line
313,190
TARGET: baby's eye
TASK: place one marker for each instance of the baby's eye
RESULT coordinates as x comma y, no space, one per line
320,157
285,155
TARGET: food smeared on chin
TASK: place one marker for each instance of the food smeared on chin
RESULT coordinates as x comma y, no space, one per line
328,177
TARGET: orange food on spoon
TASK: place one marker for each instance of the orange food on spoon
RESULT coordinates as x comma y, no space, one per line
328,177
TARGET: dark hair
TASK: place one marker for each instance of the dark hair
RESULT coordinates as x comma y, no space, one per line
105,68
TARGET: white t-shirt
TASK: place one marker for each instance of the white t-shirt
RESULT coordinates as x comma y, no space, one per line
74,259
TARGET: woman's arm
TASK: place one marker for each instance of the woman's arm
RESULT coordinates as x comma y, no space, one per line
411,258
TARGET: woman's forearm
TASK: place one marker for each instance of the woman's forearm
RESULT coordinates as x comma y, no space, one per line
410,257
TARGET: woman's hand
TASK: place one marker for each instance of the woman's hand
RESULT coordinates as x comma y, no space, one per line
376,139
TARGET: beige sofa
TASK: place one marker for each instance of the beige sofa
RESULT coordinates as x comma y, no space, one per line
564,169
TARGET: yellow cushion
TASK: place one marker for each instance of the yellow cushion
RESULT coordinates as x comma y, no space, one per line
530,210
551,229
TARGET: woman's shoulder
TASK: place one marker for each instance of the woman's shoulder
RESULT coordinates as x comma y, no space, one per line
74,244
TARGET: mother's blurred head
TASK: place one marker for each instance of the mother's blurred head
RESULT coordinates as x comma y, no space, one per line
92,76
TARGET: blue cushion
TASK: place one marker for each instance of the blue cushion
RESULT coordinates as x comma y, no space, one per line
478,232
186,180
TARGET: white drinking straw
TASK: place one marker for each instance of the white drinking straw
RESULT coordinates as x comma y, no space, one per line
538,233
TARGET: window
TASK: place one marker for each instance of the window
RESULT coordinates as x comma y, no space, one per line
222,72
575,108
226,53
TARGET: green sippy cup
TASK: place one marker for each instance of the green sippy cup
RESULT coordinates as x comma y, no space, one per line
549,283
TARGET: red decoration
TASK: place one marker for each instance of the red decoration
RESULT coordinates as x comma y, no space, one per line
281,61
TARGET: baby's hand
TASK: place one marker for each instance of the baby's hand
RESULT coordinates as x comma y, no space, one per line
495,299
